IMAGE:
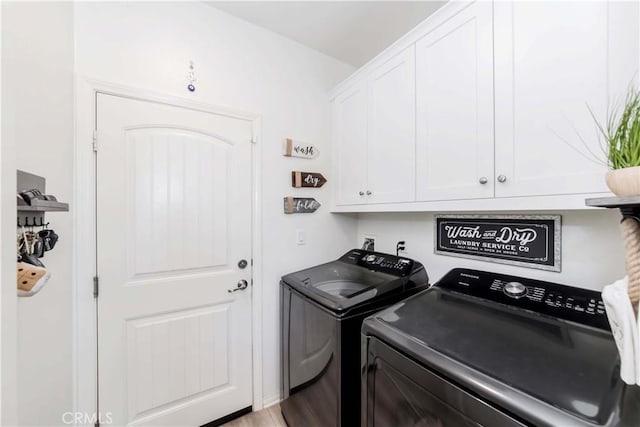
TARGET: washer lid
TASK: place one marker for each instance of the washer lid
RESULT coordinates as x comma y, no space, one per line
568,366
339,286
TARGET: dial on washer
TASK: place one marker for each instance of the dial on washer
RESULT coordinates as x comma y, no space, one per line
515,289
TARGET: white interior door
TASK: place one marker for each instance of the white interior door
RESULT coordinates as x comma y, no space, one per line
173,221
454,107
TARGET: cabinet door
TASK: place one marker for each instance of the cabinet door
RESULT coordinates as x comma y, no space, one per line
350,139
554,61
454,100
391,138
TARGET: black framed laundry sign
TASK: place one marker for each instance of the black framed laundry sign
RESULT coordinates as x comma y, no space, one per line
532,241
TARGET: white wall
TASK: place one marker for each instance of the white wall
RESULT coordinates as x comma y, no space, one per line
149,46
37,72
8,389
592,247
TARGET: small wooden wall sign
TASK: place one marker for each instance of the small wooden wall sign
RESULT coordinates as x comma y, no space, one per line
300,149
307,179
300,205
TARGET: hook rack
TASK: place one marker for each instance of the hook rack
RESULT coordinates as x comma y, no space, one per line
34,223
33,202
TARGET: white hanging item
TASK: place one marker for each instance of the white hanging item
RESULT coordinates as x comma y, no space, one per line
624,328
31,279
191,77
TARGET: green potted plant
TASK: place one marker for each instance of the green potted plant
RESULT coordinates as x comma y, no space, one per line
622,145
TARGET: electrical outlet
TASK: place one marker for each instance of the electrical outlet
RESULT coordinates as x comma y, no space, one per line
369,242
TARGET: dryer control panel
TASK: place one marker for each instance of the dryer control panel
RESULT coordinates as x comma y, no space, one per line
377,261
576,304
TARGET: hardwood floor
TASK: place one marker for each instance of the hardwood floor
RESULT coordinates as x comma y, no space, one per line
268,417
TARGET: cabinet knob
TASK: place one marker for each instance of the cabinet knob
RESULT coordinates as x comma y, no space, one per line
368,193
361,193
502,178
483,180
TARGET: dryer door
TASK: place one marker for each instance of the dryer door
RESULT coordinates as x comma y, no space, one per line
399,392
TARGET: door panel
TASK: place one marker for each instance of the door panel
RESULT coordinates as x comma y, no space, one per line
173,220
175,357
554,62
454,96
350,124
391,135
168,216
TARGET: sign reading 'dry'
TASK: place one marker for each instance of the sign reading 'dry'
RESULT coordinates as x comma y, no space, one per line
293,148
300,205
307,179
532,241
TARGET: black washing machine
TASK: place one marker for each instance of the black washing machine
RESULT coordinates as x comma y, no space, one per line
322,312
485,349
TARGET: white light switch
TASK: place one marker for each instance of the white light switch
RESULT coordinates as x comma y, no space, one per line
301,237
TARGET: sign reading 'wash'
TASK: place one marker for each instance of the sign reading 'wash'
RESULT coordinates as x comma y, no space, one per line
527,241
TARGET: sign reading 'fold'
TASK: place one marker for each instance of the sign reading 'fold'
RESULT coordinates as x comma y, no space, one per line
528,241
294,205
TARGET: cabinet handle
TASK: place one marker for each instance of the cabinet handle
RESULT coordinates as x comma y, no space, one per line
502,178
361,193
483,180
368,193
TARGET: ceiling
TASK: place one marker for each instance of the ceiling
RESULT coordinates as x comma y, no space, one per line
350,31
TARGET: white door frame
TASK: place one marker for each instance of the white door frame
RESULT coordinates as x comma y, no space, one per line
85,352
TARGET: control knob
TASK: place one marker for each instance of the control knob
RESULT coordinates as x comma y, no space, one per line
370,258
515,289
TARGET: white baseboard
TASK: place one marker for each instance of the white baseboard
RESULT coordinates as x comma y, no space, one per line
270,401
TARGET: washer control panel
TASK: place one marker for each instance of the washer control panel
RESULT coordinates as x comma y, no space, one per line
570,303
579,303
515,289
376,261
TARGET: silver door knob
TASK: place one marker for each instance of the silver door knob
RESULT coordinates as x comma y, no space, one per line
502,178
483,180
361,193
368,193
242,285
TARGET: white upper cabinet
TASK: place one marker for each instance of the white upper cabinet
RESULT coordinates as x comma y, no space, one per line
486,106
554,61
391,136
350,144
454,101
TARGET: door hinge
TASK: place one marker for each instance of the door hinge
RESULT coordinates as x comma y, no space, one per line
95,141
95,287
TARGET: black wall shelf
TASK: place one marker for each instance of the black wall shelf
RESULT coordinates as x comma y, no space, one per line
629,205
33,214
